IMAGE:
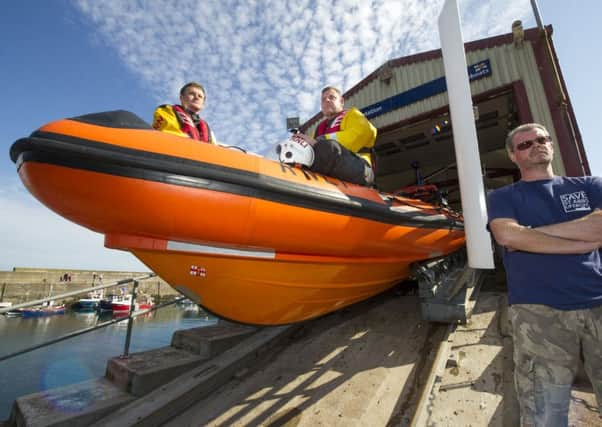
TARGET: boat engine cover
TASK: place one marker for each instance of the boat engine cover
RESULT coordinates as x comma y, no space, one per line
295,151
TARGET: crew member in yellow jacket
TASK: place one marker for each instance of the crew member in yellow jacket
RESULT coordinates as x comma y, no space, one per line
342,142
184,120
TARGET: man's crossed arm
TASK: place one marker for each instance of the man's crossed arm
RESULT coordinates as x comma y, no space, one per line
572,237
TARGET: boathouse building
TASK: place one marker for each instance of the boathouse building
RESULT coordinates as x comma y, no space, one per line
514,78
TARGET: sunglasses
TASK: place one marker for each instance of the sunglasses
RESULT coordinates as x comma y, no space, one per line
525,145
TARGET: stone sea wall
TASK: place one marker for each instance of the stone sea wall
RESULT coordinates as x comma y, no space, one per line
26,284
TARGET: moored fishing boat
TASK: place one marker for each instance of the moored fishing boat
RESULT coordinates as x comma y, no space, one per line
13,313
247,238
10,313
105,304
122,303
91,302
41,311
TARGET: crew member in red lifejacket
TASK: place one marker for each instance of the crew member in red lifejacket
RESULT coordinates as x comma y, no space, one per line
183,120
342,142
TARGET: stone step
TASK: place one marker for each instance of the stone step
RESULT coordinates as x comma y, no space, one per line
165,402
141,373
209,341
69,406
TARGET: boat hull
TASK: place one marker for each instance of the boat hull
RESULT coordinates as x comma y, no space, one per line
125,308
105,305
274,291
42,312
112,204
87,304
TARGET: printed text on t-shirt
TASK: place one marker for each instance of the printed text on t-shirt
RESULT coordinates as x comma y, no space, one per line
574,202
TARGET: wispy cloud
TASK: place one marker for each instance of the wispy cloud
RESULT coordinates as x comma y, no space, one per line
260,61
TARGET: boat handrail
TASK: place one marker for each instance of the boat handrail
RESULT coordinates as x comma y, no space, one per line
82,331
76,292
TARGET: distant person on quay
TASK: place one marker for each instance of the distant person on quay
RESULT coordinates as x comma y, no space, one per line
342,141
183,119
550,231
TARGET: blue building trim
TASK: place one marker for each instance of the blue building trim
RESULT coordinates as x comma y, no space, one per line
434,87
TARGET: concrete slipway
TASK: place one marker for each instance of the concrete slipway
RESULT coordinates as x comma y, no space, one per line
378,366
374,364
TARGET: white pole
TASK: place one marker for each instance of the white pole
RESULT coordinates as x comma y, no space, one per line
478,240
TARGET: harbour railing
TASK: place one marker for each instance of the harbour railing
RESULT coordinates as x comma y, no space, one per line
132,313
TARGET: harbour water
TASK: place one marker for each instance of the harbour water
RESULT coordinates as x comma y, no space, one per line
81,358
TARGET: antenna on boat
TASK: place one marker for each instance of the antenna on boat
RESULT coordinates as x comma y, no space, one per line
472,193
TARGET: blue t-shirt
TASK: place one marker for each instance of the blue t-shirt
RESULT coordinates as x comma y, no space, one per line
565,282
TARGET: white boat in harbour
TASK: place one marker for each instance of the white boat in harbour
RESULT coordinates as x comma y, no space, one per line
90,303
188,305
12,313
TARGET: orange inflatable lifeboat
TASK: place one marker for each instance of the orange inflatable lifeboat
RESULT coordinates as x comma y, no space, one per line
248,238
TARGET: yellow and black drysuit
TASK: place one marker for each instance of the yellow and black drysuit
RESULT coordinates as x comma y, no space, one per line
343,148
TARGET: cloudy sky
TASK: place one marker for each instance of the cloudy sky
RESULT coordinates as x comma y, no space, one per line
259,61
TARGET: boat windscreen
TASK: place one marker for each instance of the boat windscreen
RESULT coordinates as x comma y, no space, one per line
115,119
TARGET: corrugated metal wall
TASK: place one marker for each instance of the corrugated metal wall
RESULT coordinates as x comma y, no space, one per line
508,64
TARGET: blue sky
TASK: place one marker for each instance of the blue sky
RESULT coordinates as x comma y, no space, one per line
260,62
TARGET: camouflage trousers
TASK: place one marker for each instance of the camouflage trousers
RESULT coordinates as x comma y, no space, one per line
547,346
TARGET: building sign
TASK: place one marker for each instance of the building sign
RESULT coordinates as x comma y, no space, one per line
434,87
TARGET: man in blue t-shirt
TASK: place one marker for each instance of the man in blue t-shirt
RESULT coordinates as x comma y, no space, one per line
550,229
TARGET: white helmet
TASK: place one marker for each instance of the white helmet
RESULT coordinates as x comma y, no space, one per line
295,151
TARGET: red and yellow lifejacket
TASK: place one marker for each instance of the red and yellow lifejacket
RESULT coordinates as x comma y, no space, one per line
173,119
352,130
328,126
